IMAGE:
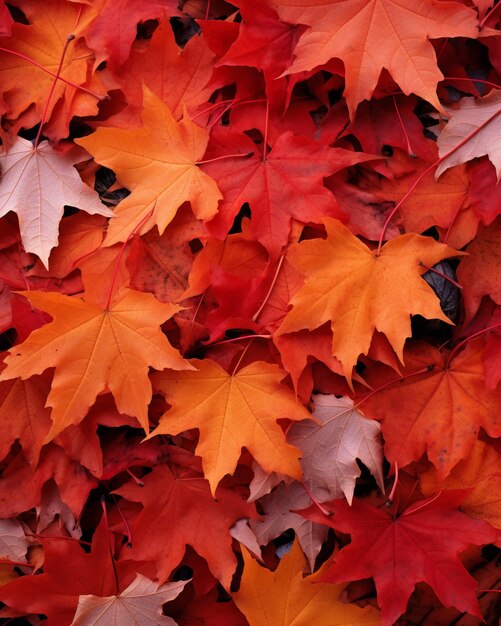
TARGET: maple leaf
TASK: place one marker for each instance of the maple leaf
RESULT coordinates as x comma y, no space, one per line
114,29
438,411
286,597
299,350
354,31
37,183
95,348
284,184
161,264
159,164
68,572
232,411
484,191
23,415
263,40
472,115
27,75
278,515
360,292
13,541
169,521
331,446
432,203
140,604
480,471
79,235
178,76
73,482
375,128
479,272
420,544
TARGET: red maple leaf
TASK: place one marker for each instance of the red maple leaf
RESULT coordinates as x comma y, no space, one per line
420,544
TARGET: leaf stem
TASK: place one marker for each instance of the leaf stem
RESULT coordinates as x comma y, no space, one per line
389,500
138,482
47,71
410,151
473,80
266,123
115,573
488,14
428,368
69,39
226,156
270,290
421,506
432,269
127,527
218,343
53,537
15,563
316,502
455,350
451,224
122,250
240,358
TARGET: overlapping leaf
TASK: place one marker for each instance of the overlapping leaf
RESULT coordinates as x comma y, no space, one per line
331,446
421,544
360,292
286,597
94,349
158,163
354,31
37,183
232,411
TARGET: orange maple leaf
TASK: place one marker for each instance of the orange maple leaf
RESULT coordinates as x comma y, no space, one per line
159,164
439,411
369,35
286,597
94,349
27,74
360,292
432,203
480,471
232,411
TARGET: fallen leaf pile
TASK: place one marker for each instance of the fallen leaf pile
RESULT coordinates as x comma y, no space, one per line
250,312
